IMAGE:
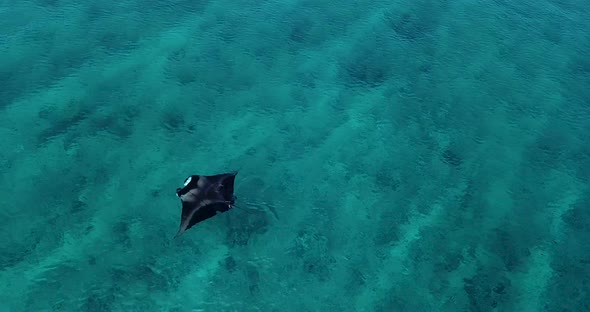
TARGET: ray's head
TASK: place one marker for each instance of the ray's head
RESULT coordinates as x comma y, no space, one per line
189,183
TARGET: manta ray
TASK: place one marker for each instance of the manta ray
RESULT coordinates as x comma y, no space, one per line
203,196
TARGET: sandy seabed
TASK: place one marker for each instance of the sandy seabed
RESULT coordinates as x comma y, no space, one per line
392,155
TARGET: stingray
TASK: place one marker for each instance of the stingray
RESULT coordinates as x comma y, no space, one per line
203,196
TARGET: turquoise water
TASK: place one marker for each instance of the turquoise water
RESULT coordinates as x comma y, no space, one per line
393,155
